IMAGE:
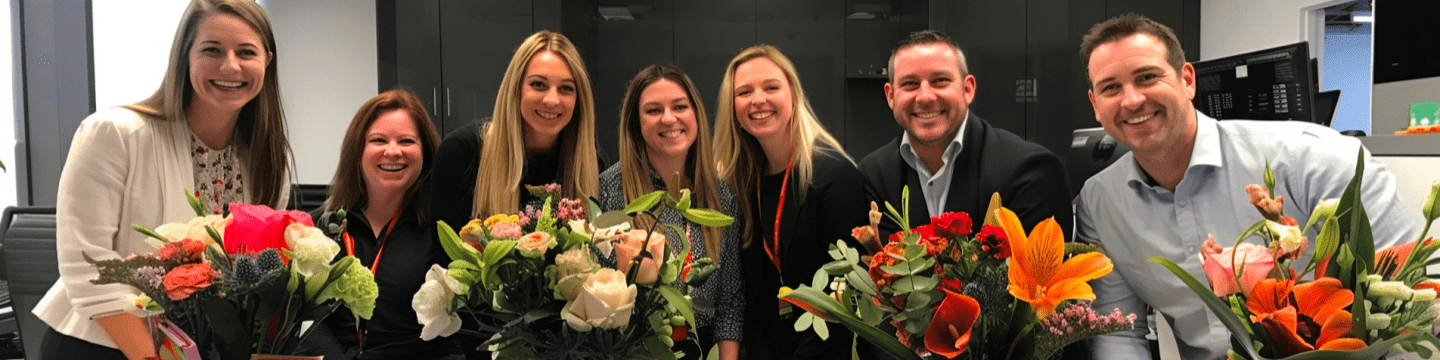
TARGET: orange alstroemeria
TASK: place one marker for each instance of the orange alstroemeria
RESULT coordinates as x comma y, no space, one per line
949,331
1039,273
1304,317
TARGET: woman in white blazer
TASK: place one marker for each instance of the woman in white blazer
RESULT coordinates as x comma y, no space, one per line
214,126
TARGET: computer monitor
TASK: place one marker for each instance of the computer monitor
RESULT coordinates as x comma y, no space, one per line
1325,103
1091,150
1271,84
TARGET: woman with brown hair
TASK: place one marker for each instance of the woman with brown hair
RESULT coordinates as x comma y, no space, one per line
799,193
664,133
215,126
382,183
542,131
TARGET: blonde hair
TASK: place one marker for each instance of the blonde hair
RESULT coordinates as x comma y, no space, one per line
742,159
261,124
502,156
699,175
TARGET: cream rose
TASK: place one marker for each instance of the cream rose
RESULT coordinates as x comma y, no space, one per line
604,301
433,304
312,250
534,245
571,269
195,229
629,246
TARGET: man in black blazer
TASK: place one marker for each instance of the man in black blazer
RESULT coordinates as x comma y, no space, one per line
951,159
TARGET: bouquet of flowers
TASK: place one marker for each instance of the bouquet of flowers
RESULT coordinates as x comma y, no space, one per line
532,286
1360,304
942,285
246,291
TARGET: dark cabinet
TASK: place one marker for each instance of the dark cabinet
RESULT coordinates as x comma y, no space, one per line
1025,57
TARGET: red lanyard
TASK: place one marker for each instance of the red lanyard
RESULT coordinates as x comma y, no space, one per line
374,265
772,247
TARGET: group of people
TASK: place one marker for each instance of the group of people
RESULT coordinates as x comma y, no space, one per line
216,126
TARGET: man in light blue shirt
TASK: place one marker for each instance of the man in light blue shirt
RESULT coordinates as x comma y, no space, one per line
1184,180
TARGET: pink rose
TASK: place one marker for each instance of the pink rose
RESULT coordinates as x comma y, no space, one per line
1220,266
629,245
535,244
186,279
254,228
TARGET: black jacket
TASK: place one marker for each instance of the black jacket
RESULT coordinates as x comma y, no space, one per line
1031,180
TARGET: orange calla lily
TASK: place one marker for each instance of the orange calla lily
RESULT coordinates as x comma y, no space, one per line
1039,273
949,331
1304,317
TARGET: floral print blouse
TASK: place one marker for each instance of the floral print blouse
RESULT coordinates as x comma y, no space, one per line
218,178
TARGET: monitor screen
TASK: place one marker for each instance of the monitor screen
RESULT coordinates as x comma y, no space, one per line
1271,84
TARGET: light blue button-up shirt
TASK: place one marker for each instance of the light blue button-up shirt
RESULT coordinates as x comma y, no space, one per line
1133,220
936,187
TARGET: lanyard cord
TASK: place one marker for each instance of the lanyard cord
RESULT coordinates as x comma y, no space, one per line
772,247
374,265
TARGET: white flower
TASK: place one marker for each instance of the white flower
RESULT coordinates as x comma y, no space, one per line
571,269
1289,236
434,304
311,249
579,226
195,229
605,301
605,237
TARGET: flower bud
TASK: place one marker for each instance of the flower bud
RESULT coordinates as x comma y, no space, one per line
1377,321
1323,210
1431,210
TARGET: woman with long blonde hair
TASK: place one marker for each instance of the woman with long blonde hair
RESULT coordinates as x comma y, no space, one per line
665,143
542,131
799,193
214,127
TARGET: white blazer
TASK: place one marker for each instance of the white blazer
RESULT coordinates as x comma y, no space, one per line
123,168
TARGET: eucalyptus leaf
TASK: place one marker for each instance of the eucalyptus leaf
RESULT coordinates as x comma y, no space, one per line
610,219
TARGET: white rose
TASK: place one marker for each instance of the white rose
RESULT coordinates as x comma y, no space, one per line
434,304
312,250
569,272
195,229
605,301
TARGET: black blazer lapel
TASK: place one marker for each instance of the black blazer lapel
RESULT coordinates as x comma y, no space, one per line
788,216
969,167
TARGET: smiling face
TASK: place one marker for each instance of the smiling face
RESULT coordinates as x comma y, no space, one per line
1139,98
547,98
227,64
763,103
929,95
393,154
667,120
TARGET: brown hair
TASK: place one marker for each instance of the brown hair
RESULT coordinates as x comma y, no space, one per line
260,128
927,37
347,189
741,159
502,156
699,174
1124,26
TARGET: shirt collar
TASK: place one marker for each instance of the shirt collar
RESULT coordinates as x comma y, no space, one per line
1205,154
908,152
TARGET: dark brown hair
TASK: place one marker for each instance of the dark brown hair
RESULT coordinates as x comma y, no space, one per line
926,37
260,128
1124,26
347,190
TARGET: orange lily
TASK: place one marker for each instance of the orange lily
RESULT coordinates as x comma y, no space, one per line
949,331
1039,273
1304,317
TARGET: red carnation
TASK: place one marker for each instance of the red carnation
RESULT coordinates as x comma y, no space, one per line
993,240
951,224
186,279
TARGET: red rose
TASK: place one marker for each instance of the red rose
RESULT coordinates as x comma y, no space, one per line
951,224
993,240
257,227
186,279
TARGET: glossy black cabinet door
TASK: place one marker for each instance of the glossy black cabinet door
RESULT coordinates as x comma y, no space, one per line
409,50
630,37
1058,103
811,34
992,34
707,35
477,40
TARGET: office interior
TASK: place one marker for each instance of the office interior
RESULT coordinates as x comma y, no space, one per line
71,57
